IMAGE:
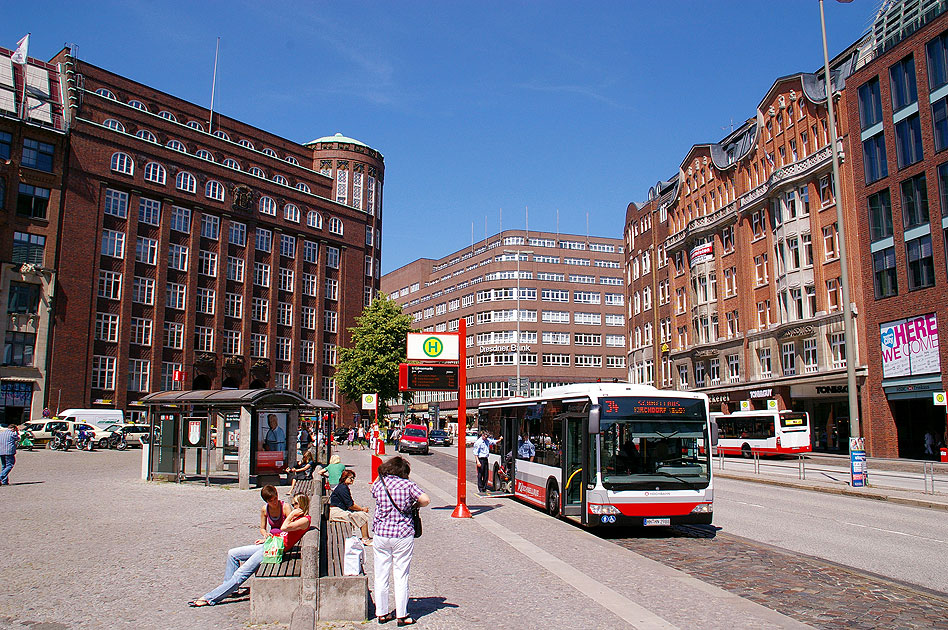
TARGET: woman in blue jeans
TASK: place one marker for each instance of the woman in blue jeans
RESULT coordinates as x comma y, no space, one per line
242,562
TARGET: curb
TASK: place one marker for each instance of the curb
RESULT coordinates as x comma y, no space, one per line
931,505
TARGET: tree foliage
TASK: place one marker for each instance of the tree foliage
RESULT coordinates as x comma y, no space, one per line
370,365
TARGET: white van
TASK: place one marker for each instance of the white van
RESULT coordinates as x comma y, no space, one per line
99,418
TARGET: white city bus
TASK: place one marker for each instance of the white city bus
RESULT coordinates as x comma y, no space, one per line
606,454
764,432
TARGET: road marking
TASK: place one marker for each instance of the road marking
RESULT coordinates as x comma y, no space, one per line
621,606
892,531
750,504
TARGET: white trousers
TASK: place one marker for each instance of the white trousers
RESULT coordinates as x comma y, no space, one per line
392,556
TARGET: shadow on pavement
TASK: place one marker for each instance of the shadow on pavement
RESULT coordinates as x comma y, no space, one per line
678,531
24,483
475,509
421,606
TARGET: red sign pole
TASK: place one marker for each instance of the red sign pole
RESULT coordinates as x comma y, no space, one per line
461,510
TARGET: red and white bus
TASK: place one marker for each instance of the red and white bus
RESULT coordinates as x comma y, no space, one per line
606,454
764,432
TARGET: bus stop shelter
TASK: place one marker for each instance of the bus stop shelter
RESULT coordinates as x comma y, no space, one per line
200,434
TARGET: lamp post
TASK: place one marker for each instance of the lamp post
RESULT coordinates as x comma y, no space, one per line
518,252
848,336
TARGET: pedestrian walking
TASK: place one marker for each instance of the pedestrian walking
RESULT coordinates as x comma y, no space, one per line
8,442
361,436
350,438
242,562
481,450
395,494
304,440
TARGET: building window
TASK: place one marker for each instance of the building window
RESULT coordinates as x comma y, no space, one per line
155,173
314,220
28,248
943,188
113,244
286,279
914,201
880,215
176,296
238,234
258,345
874,158
336,226
38,155
141,331
24,297
122,163
6,145
210,227
902,80
231,342
870,103
332,289
263,241
143,291
32,201
937,50
908,140
207,263
332,257
788,352
763,355
205,300
110,285
234,305
268,206
310,252
177,145
260,310
103,372
149,211
830,242
167,375
181,219
178,257
838,349
733,368
139,375
291,212
174,335
884,273
308,352
940,123
284,353
287,246
921,266
330,321
285,314
214,190
810,364
106,327
146,250
116,203
235,269
261,274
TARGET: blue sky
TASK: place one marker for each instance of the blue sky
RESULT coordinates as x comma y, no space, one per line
477,107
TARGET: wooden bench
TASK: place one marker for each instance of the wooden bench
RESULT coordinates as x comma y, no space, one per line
336,534
289,567
305,486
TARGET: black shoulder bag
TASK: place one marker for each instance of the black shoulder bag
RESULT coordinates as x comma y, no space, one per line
412,512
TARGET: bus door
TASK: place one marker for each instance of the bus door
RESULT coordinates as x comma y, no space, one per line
574,471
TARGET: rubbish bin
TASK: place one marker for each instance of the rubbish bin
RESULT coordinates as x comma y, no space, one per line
944,454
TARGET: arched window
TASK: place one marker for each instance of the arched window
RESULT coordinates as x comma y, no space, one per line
193,124
122,163
204,155
167,115
280,180
106,93
232,163
176,145
214,190
138,105
314,220
291,213
268,206
246,143
185,181
302,186
335,225
155,172
146,135
292,160
256,170
270,152
113,124
221,134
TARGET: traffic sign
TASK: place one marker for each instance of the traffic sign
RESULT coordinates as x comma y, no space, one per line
745,405
772,404
524,385
432,347
939,399
370,401
413,377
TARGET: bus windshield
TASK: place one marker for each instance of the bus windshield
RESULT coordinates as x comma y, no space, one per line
654,444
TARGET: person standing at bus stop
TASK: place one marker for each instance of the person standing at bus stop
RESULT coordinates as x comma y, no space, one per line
481,450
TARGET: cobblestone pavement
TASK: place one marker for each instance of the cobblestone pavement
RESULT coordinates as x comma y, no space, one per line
811,590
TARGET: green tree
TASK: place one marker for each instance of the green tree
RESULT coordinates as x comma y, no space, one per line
370,365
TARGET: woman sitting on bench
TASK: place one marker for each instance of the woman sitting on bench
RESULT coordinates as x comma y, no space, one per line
343,509
294,526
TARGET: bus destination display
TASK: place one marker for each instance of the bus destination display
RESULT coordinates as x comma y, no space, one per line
647,406
427,377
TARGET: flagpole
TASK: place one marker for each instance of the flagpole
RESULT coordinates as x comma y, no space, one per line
20,56
210,122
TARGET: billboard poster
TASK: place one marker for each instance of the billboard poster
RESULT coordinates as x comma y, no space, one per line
271,441
701,253
910,346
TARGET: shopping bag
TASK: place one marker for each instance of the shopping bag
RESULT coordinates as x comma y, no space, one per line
273,550
352,560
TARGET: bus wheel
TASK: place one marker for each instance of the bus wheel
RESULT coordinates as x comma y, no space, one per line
496,478
553,499
746,452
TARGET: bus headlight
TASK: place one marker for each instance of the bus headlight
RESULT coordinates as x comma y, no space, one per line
702,508
603,509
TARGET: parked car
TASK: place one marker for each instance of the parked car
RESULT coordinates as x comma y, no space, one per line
133,432
470,437
339,434
437,437
43,429
414,439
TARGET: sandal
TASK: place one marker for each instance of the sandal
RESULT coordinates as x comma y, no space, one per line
240,592
368,542
386,618
406,621
199,603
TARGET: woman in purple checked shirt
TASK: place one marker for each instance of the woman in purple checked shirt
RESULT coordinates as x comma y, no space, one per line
394,540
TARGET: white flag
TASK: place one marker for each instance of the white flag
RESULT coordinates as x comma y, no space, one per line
22,50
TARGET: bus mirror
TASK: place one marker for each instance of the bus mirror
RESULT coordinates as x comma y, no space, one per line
714,432
594,413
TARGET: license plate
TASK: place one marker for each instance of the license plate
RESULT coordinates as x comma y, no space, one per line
657,522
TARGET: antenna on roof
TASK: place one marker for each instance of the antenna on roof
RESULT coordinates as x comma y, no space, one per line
526,214
729,128
210,121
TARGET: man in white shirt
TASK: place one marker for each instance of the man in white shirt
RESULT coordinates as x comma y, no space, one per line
481,450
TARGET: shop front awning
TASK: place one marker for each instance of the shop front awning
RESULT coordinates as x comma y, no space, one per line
231,398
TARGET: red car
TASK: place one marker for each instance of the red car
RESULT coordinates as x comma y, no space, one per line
414,439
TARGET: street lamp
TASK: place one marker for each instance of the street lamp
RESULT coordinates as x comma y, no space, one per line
848,336
518,253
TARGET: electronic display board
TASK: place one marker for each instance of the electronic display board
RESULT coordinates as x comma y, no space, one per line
628,406
427,377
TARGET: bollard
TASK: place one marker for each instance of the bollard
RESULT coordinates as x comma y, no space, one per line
944,454
801,467
379,446
376,462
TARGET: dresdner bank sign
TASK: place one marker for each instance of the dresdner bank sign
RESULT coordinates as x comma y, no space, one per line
910,346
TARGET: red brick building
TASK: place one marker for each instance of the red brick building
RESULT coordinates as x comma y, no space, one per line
897,104
32,150
203,246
